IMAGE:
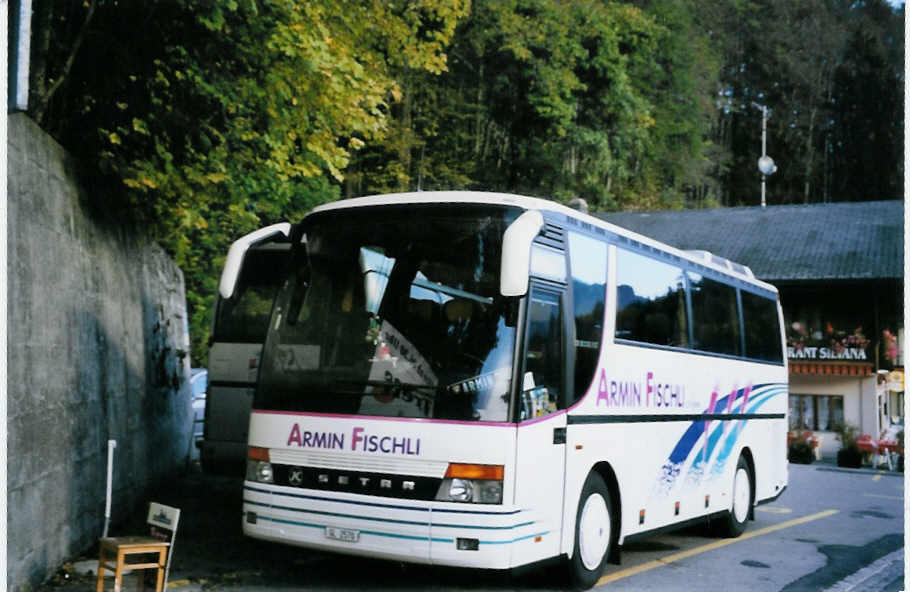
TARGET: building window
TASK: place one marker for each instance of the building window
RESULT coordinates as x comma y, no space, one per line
823,413
829,325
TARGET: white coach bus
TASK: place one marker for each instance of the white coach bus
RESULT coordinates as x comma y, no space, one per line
490,380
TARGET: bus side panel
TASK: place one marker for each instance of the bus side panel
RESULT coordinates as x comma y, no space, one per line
539,478
771,467
675,470
586,446
780,463
227,422
232,375
636,454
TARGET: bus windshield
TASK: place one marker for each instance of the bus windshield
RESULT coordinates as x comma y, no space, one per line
244,317
394,311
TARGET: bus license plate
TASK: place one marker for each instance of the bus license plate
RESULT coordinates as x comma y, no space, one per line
342,534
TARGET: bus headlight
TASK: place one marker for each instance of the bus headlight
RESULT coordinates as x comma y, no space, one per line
461,490
258,467
478,484
260,471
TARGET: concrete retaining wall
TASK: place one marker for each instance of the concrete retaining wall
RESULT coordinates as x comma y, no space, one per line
97,350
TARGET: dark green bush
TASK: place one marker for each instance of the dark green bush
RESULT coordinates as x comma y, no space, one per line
800,452
850,457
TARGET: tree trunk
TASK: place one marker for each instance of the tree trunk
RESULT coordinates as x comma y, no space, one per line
479,132
45,98
42,16
810,153
406,142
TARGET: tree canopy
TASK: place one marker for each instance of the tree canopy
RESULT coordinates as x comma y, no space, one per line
207,119
200,120
831,73
560,99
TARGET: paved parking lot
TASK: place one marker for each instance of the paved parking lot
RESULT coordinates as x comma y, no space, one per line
833,528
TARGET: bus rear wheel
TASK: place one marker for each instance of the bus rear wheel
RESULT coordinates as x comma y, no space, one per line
593,533
735,523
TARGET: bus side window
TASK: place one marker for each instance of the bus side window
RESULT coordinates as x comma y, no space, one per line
650,300
544,358
762,328
715,315
244,317
588,262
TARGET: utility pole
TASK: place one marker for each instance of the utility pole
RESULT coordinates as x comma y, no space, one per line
766,164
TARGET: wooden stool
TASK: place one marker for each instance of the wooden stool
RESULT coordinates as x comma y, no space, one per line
120,548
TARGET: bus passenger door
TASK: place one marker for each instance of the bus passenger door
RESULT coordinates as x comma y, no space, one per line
540,452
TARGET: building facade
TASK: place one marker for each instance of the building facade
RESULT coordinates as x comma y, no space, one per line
839,270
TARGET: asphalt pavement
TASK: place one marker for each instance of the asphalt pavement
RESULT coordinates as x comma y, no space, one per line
834,529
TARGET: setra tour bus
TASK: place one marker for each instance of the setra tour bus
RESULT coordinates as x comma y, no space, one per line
490,380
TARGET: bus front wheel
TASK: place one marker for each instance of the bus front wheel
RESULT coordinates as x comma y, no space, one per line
593,533
735,523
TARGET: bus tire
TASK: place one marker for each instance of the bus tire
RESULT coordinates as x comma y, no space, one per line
594,533
735,522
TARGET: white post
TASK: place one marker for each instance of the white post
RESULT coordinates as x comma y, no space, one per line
18,61
764,136
111,444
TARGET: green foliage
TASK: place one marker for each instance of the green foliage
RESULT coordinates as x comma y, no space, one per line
206,119
560,99
799,450
215,118
849,454
847,435
831,73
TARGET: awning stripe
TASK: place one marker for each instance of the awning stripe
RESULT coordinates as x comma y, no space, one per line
831,368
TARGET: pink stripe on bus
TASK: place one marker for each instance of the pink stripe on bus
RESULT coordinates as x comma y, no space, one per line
498,424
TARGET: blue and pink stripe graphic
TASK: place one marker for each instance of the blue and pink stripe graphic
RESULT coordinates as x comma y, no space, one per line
717,436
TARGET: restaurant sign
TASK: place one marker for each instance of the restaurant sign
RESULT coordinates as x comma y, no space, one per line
826,353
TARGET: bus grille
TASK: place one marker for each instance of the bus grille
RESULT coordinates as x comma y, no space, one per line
378,484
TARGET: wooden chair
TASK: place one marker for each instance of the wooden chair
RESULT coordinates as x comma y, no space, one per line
159,544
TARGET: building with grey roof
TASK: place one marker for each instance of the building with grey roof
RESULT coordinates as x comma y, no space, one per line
793,243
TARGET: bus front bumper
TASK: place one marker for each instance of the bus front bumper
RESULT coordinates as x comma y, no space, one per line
438,533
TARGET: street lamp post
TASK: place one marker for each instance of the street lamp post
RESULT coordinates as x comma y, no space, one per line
766,164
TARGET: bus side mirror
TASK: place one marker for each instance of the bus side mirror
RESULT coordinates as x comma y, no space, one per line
238,249
516,253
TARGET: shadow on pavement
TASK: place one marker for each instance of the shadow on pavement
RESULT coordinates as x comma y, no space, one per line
211,553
